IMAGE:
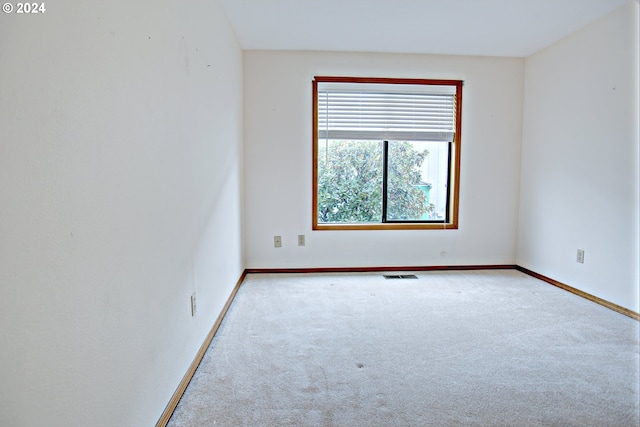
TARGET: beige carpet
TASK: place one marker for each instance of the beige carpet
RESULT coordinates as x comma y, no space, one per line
477,348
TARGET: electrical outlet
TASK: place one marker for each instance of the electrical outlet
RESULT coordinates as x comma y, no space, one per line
300,239
277,241
193,304
580,256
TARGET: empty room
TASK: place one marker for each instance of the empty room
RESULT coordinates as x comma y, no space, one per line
336,213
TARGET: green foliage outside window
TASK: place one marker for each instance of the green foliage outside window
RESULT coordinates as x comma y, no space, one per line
350,175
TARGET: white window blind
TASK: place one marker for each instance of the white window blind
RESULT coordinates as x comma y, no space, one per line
366,111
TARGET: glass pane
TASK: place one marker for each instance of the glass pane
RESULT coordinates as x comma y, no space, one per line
417,180
349,181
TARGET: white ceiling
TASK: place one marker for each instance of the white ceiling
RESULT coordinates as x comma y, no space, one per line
459,27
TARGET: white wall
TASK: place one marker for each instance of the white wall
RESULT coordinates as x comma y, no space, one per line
278,162
580,160
120,194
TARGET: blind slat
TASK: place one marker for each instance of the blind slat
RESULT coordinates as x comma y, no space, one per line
352,114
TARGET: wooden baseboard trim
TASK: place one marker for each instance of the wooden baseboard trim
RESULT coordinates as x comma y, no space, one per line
376,269
593,298
177,395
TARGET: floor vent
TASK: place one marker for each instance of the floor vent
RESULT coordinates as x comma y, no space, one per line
399,276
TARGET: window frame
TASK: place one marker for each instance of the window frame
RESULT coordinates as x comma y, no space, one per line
454,159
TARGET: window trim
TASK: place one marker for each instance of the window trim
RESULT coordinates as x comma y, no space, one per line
454,175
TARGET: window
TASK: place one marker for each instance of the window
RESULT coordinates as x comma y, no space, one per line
386,153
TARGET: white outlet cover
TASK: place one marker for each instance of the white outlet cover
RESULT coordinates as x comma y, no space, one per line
194,306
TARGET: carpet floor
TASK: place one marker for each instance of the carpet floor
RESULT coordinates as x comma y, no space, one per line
471,348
